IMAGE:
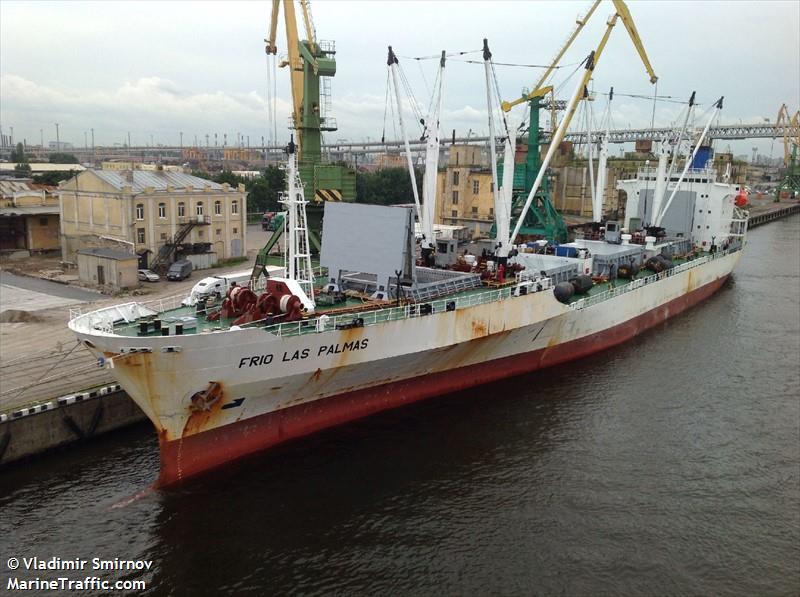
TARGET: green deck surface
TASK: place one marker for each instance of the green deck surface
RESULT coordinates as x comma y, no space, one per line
378,312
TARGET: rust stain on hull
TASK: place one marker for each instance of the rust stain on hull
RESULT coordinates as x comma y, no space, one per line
206,410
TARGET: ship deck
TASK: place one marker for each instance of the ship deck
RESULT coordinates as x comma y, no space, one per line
357,311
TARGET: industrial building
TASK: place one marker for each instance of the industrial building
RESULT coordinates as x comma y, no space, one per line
155,214
29,218
465,190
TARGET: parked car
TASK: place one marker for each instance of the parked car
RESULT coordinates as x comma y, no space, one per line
145,275
180,270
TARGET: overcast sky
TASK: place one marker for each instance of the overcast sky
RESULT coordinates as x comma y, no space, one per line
158,68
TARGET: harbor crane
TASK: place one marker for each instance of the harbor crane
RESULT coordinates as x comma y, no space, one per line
311,64
539,216
791,145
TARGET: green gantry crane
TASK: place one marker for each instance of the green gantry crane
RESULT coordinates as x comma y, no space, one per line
310,64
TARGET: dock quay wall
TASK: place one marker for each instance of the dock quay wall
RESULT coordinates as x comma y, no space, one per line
65,420
773,213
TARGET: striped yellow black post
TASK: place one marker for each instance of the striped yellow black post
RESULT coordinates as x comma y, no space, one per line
327,195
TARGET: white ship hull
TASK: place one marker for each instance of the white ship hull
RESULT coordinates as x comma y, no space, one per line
263,388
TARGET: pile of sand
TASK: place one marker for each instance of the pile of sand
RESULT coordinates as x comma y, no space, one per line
17,316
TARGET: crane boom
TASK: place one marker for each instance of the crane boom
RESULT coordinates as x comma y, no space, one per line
293,50
623,13
627,20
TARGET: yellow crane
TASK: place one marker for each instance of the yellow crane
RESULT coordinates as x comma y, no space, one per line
791,141
791,145
621,13
310,62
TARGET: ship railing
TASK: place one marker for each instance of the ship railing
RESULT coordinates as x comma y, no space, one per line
326,323
639,282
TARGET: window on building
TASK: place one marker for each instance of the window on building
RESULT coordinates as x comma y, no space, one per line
474,211
476,185
235,230
140,211
140,235
491,187
162,210
234,207
455,177
181,210
42,221
219,231
199,208
200,233
454,214
163,236
455,197
217,208
491,211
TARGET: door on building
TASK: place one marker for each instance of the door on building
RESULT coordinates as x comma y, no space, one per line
101,275
143,258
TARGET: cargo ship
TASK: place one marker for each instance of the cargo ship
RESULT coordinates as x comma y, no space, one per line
222,382
382,321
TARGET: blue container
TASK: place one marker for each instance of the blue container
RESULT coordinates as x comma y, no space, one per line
702,157
566,251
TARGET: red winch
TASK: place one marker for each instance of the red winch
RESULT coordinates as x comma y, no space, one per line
243,304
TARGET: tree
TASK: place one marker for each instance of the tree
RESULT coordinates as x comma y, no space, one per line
63,158
229,177
389,186
22,170
18,155
53,177
264,191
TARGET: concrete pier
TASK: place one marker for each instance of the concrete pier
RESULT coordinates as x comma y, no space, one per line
32,430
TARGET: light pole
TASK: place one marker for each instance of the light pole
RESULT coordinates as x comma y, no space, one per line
181,140
85,140
58,139
41,138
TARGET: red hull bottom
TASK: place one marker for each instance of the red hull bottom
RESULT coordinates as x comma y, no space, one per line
203,451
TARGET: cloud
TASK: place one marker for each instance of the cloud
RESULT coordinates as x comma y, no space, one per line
150,105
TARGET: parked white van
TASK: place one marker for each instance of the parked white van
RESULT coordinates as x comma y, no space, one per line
217,286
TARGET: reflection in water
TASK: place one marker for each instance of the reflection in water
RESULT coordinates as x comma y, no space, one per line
666,465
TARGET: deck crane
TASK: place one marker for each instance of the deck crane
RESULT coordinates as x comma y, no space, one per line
311,62
540,217
791,145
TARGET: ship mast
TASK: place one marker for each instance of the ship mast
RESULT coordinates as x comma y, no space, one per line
602,171
716,108
392,62
298,255
432,135
502,192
